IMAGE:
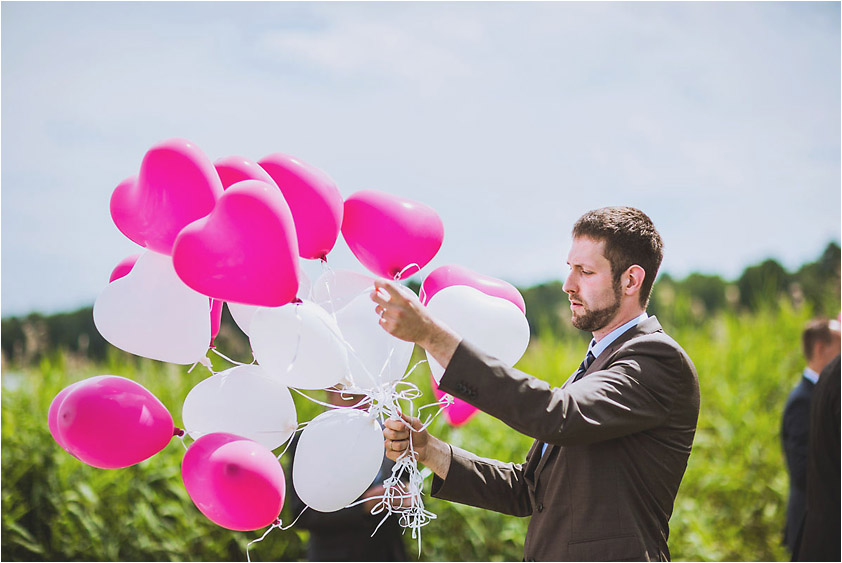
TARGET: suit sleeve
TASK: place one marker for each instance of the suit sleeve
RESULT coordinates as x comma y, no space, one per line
485,483
634,393
796,431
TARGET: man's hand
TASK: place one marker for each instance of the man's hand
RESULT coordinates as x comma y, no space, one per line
404,316
401,313
428,449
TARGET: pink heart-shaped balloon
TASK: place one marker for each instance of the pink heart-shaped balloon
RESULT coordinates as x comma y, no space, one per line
392,236
458,412
177,184
314,200
233,169
123,268
244,251
216,317
453,274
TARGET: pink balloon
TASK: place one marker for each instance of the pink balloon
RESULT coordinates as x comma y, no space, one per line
237,483
233,169
388,233
314,200
216,317
124,267
177,184
457,413
110,422
52,414
244,251
452,274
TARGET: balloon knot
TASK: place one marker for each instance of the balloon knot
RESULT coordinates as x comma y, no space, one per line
296,301
276,522
177,432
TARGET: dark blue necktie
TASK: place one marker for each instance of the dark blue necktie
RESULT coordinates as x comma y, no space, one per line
583,367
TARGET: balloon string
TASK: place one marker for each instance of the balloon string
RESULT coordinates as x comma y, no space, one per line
229,360
275,524
400,274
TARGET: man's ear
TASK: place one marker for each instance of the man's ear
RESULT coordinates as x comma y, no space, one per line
633,279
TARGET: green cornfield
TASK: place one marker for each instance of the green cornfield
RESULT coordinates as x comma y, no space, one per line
730,507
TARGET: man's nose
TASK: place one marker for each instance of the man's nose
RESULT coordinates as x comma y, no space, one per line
569,286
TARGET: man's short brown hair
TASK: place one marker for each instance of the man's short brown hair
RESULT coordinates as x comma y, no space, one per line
817,330
630,238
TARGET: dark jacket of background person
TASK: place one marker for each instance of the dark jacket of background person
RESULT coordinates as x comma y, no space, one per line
619,440
795,432
820,535
345,535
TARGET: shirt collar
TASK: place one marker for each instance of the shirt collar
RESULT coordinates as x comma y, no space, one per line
596,348
811,375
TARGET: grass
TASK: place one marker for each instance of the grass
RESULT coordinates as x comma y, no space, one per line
730,507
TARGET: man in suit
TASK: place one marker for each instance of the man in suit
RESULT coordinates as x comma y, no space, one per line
821,343
820,534
612,443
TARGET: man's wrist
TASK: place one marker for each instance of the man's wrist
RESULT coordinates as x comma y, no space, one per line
439,461
440,342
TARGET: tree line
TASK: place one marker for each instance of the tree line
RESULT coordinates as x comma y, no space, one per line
28,339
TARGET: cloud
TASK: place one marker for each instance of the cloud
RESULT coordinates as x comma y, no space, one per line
721,120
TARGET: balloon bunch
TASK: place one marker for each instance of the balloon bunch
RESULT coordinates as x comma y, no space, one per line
234,231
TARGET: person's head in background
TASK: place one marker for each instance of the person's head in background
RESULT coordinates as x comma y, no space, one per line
821,343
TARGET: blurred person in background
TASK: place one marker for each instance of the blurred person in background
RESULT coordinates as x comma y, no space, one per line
820,343
346,535
820,535
612,442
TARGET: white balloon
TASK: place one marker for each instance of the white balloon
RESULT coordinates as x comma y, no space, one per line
337,458
150,312
493,324
244,401
336,288
305,286
300,345
375,357
243,314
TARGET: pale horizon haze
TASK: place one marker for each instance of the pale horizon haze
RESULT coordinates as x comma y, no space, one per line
720,120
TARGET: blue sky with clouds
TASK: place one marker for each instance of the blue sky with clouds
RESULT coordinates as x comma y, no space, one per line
720,120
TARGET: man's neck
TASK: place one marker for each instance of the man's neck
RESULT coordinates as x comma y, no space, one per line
619,320
816,365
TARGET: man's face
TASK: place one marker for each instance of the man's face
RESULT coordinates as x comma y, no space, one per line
594,297
826,351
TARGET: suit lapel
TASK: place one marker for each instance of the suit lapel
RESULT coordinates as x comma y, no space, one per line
647,326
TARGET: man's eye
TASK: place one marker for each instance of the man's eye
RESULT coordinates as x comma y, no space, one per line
587,272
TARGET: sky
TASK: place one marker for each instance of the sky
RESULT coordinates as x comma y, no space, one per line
720,120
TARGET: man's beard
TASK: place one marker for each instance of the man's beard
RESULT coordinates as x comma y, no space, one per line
594,320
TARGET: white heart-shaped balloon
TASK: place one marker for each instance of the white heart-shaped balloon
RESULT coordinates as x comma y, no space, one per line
243,314
337,458
494,325
244,401
300,345
150,312
375,356
336,288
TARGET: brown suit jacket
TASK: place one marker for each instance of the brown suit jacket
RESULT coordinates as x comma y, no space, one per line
619,439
